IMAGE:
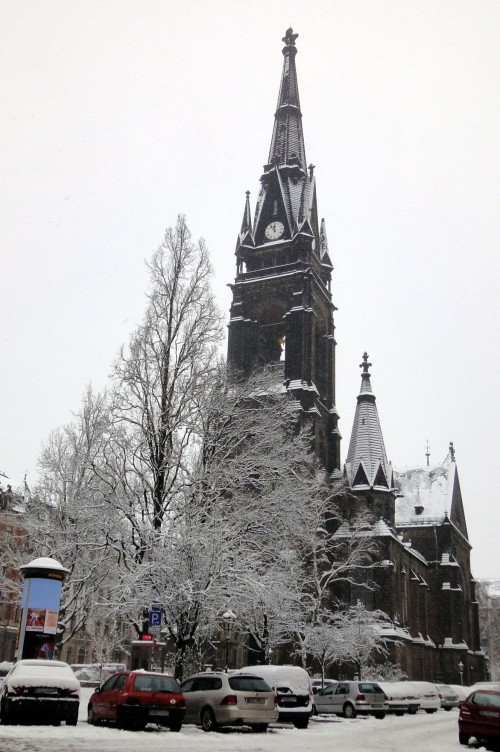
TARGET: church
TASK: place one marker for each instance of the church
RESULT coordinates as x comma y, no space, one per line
282,317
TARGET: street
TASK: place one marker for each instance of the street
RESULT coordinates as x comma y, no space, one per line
420,733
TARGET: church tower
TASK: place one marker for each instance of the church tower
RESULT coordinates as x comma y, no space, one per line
282,311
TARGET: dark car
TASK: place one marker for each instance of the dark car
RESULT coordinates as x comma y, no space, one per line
133,699
480,717
38,690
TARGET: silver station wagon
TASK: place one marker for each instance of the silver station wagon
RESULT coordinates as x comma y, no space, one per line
215,699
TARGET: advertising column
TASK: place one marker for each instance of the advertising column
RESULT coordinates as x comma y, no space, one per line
43,580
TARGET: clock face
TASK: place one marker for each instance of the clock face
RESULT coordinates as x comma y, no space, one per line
274,230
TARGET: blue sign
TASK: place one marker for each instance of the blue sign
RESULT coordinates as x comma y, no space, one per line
154,617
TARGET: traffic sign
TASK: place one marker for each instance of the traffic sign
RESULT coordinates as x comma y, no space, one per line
154,617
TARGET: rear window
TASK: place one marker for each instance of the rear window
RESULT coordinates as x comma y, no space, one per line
482,698
148,683
248,684
367,687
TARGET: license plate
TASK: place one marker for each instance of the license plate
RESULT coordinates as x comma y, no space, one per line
46,691
255,700
288,702
162,713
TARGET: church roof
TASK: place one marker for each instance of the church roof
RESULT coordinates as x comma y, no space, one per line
430,495
366,464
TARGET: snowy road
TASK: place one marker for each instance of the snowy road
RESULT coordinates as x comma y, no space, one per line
420,733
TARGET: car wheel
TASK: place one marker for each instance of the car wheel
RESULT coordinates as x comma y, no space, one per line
208,722
301,723
259,728
349,711
175,726
431,710
72,719
91,716
380,716
463,738
447,708
6,713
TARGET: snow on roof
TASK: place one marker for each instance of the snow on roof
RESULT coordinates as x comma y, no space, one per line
45,562
428,490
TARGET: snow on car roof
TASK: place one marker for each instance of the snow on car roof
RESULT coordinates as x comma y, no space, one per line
39,673
293,676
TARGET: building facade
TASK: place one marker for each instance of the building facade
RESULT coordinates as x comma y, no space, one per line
282,318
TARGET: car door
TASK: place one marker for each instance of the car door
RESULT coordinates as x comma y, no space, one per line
339,697
323,700
115,697
101,698
187,689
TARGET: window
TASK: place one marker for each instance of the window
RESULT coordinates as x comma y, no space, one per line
148,683
109,683
248,684
120,682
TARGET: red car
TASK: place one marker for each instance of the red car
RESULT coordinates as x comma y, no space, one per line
134,698
480,716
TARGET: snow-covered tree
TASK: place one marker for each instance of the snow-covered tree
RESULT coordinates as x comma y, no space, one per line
67,517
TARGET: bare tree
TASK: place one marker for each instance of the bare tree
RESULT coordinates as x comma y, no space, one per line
161,378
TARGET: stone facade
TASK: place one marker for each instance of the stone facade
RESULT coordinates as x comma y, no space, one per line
281,317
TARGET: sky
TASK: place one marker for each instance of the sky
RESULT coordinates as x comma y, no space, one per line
119,114
420,733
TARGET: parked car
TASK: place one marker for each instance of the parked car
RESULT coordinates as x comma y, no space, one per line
449,697
350,698
480,717
430,701
40,690
88,677
318,684
132,699
401,698
292,685
215,699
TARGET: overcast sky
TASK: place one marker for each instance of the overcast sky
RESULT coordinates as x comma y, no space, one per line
118,115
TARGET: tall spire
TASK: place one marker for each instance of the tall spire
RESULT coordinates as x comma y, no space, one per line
287,143
367,464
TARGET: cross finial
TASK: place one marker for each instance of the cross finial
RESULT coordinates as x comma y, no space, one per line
452,452
365,365
311,170
427,452
290,37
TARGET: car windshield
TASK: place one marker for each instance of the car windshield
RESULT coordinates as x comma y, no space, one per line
149,683
248,684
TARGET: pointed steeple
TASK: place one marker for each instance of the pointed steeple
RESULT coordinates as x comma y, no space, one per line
288,194
287,143
245,236
367,464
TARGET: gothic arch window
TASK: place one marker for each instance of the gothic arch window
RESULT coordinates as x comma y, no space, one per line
272,336
363,585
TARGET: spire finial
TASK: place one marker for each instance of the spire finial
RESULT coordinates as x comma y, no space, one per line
365,365
452,452
427,452
289,38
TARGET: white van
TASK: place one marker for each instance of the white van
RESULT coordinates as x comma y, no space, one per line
293,688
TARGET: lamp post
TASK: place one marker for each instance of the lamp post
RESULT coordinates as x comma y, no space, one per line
461,672
228,618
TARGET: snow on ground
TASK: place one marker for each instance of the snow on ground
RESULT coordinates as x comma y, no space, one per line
419,733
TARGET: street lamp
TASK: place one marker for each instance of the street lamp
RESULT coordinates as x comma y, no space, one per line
461,671
228,618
